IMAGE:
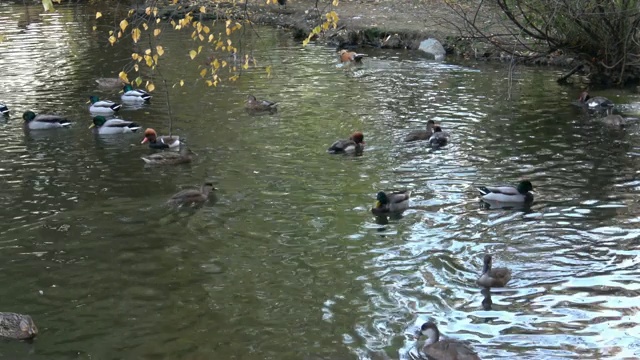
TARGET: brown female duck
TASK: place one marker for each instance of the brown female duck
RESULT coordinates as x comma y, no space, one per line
169,158
446,349
192,197
493,277
255,105
421,134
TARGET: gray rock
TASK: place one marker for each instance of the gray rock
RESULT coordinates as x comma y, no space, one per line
434,48
17,326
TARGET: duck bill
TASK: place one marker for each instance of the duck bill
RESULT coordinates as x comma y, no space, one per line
92,126
144,140
378,204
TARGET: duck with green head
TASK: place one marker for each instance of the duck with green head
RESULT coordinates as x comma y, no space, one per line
44,121
4,110
103,107
508,194
493,277
102,126
132,95
396,202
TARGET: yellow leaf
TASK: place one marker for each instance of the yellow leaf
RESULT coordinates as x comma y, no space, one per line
98,15
119,34
136,67
268,70
224,63
234,77
147,52
123,76
131,12
138,81
201,37
216,64
228,23
150,87
112,40
199,27
305,42
206,29
145,26
228,31
211,38
203,73
110,32
159,50
229,42
135,35
335,2
181,82
157,32
155,58
193,35
2,37
123,24
135,56
203,9
94,28
155,13
158,21
193,54
178,27
199,49
48,5
149,60
208,82
245,65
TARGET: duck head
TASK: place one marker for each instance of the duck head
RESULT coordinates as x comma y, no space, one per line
28,115
207,188
584,96
430,330
431,124
524,187
437,128
127,87
98,121
251,99
487,263
94,99
150,135
381,199
358,137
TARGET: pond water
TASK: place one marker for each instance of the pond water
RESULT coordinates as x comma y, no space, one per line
288,263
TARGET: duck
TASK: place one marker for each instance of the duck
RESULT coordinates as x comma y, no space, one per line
103,107
109,83
160,142
4,110
192,197
447,349
254,105
493,277
353,145
169,158
113,126
416,135
508,194
594,103
439,137
614,121
350,56
132,95
17,326
396,202
44,121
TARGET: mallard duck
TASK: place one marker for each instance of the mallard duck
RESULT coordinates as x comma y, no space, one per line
17,326
416,135
132,95
447,349
508,194
4,110
113,126
254,105
160,142
110,83
43,121
103,107
493,277
353,145
439,137
594,103
192,197
350,56
396,202
169,158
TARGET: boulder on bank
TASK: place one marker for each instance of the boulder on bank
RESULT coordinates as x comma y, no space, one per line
434,48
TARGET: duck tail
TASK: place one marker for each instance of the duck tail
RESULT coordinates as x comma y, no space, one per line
65,123
146,97
483,190
4,110
146,160
358,57
116,107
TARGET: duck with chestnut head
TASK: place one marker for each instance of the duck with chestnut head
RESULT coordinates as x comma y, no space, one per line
160,142
440,349
354,145
350,56
595,102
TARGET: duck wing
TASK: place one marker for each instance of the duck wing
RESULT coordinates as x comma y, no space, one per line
268,103
187,196
119,123
398,197
51,118
340,146
502,274
450,350
507,190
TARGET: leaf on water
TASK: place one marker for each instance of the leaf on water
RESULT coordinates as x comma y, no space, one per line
203,73
193,35
216,64
112,40
155,58
138,81
2,38
158,21
211,38
208,82
305,42
110,32
94,28
123,24
181,83
234,77
150,87
224,63
156,32
229,42
98,15
48,5
193,54
123,76
135,35
199,49
228,31
268,70
159,50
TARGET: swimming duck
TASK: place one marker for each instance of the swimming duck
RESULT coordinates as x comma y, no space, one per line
508,194
109,83
103,107
4,110
439,137
254,105
44,121
350,56
169,158
447,349
192,197
160,142
594,103
416,135
17,326
396,202
353,145
132,95
493,277
113,126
